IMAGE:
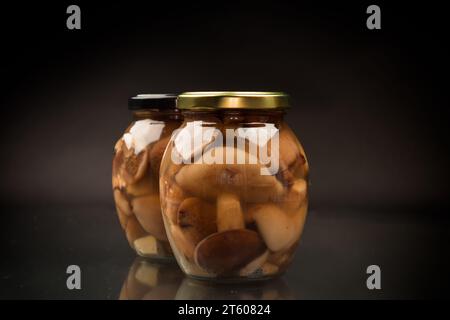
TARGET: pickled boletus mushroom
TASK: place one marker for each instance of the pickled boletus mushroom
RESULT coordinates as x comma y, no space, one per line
173,195
117,163
142,187
226,252
289,148
196,219
148,212
134,166
245,180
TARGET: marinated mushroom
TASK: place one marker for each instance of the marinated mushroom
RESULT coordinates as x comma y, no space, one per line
173,195
226,252
196,219
148,212
242,179
142,187
134,166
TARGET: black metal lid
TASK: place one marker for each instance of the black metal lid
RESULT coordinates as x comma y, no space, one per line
152,101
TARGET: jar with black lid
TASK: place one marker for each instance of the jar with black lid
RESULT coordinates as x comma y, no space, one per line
135,172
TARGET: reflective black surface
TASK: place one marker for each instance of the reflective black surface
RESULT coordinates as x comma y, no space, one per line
39,242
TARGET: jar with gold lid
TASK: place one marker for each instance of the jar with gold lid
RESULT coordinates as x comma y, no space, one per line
135,172
234,181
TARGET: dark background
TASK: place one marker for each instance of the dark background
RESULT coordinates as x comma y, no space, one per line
369,106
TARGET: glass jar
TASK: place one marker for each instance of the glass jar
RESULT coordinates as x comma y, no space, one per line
135,173
233,184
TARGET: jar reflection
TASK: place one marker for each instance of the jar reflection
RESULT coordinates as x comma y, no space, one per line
148,280
275,289
151,281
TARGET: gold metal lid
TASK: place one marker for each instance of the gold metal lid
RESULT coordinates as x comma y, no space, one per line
232,100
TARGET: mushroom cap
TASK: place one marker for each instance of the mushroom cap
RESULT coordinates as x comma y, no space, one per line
226,252
197,219
244,179
134,166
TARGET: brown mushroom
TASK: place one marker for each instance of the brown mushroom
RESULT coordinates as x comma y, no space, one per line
134,166
143,187
148,212
289,148
226,252
197,219
245,180
172,196
117,162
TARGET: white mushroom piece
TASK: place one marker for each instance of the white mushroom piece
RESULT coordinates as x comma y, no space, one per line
229,212
149,246
295,196
278,229
148,212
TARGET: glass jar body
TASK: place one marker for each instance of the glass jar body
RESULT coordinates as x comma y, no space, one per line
135,177
234,194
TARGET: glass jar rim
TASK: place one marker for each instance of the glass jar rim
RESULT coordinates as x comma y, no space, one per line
248,100
152,101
